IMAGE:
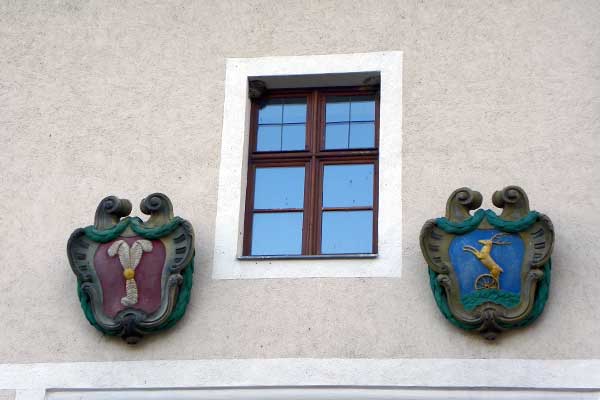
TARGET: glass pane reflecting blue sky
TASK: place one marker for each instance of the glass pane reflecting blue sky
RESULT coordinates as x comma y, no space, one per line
277,234
362,108
362,135
293,137
348,185
270,113
269,138
336,136
337,109
280,187
294,111
281,125
346,232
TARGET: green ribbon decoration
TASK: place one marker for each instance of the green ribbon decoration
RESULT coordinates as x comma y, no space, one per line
512,226
470,224
460,228
137,226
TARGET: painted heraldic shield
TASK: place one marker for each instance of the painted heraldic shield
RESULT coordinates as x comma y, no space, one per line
133,277
489,273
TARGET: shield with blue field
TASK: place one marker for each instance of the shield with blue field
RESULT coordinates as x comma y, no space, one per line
488,260
489,272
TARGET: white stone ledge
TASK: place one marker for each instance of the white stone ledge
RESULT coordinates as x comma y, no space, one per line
330,393
392,376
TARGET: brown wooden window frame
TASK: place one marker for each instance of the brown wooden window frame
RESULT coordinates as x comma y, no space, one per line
314,158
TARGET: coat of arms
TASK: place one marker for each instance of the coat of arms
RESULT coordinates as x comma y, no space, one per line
133,277
489,273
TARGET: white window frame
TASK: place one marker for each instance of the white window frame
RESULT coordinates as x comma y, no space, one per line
229,229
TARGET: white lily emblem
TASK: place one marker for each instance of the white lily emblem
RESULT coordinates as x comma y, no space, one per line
130,259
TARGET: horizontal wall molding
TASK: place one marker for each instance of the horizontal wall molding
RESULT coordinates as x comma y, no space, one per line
329,393
424,374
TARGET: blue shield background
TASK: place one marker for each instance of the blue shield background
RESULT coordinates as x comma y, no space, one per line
467,267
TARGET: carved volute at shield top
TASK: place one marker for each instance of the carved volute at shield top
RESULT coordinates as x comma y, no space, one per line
489,273
133,277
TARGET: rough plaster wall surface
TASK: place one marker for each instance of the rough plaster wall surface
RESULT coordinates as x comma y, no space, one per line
126,98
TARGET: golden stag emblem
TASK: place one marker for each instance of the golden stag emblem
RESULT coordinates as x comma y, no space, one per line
491,280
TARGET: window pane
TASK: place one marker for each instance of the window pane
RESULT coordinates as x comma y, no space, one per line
336,136
269,138
280,187
346,232
293,137
337,109
348,185
362,135
362,108
270,112
294,111
277,234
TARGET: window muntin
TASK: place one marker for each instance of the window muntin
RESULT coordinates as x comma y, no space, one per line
337,206
349,122
281,124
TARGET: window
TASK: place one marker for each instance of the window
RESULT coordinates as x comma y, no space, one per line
239,160
312,175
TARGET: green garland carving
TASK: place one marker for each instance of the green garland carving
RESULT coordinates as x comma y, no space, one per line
104,236
502,297
185,292
470,224
84,301
512,226
460,228
541,296
441,300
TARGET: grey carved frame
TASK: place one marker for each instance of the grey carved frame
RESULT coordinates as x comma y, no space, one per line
490,318
177,236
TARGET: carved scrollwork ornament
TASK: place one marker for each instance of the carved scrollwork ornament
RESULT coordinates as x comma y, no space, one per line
256,89
489,272
133,277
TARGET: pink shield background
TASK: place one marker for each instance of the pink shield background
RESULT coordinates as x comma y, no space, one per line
147,276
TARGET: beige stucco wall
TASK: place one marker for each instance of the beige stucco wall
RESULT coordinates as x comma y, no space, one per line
126,98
